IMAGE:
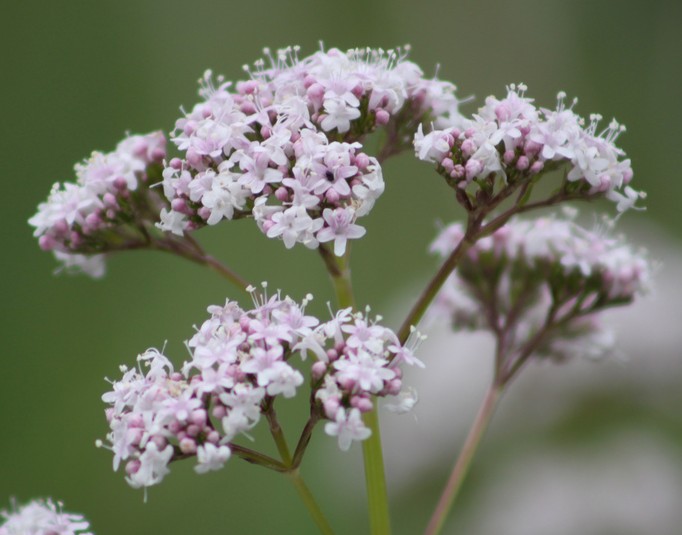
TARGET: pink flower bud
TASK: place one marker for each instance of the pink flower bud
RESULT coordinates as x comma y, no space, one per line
362,160
363,404
468,147
133,466
120,183
180,206
46,243
522,163
318,369
193,158
282,194
393,387
382,117
198,417
188,446
536,167
248,107
158,154
109,200
174,427
331,407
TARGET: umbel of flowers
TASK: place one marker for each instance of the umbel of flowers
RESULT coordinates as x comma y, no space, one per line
241,361
513,142
539,286
285,146
42,517
110,206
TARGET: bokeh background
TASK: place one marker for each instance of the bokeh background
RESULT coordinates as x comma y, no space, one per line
572,443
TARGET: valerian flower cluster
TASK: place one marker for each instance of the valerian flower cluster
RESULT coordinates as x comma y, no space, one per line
541,286
241,361
288,147
284,146
42,517
106,207
513,139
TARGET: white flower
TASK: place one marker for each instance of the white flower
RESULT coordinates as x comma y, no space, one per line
92,265
153,466
340,228
339,115
347,427
171,221
404,403
211,457
432,146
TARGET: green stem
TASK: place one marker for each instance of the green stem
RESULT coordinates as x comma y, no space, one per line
292,471
434,285
258,458
375,477
189,249
310,503
339,271
463,462
277,433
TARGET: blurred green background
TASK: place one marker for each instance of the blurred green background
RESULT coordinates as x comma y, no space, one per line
78,74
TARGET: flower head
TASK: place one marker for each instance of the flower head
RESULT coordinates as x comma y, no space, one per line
512,139
546,275
105,208
42,517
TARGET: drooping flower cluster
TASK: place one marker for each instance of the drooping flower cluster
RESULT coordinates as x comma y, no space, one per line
514,139
284,145
548,279
42,517
240,363
106,205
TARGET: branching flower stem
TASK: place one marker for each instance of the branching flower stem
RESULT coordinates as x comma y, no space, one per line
475,231
372,452
188,248
292,471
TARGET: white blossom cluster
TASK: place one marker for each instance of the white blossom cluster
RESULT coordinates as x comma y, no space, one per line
514,139
363,361
42,517
513,279
240,362
284,145
111,191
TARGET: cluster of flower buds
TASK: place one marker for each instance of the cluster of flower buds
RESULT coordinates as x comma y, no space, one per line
107,205
543,283
240,363
283,146
42,517
513,139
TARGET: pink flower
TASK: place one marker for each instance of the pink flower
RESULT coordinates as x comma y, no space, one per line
339,228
